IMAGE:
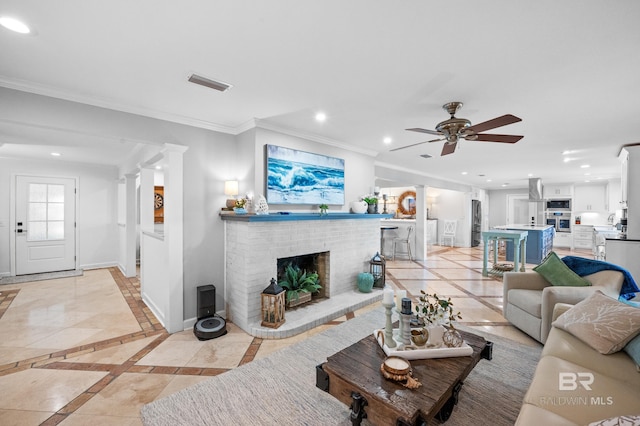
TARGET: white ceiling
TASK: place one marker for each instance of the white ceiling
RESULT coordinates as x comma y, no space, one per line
569,69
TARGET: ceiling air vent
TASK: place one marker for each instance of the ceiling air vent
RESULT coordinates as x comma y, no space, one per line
212,84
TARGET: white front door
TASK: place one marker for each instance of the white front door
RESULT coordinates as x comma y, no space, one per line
45,224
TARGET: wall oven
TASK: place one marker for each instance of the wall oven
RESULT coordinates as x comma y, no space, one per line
559,205
561,221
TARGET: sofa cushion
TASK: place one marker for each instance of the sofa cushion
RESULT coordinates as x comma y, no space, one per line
603,323
633,349
533,415
528,300
578,394
554,270
618,421
619,366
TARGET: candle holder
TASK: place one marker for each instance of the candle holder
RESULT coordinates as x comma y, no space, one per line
405,322
388,329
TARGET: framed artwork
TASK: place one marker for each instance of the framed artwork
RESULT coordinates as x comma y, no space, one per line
299,177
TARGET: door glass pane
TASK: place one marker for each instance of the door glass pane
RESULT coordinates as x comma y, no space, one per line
37,231
56,230
56,193
37,192
37,211
56,211
46,212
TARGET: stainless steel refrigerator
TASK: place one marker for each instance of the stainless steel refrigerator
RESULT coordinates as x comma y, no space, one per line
476,223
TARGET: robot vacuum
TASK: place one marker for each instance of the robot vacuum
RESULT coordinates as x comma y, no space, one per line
209,325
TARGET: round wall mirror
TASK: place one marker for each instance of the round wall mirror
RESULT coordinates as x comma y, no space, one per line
407,203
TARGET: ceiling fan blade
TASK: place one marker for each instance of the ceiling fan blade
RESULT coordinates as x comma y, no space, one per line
487,137
431,132
492,124
448,148
408,146
415,144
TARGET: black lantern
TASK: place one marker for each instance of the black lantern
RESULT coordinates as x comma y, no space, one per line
377,268
273,305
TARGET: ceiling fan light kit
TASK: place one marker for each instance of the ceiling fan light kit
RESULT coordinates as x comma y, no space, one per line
454,129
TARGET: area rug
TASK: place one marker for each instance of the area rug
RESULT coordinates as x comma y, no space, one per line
280,389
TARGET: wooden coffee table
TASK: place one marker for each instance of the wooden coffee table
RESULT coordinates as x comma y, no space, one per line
353,377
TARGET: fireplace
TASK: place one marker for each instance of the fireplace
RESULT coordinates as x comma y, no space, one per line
253,245
313,262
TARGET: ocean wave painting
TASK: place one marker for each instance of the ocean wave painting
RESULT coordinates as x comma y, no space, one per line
298,177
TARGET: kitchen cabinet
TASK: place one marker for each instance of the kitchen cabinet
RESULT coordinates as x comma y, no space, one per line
539,242
563,239
630,185
614,191
624,253
558,191
582,236
589,198
624,177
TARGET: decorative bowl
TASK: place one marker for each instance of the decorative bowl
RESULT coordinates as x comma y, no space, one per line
359,207
419,337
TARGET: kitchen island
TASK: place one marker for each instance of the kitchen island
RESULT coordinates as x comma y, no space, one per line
539,241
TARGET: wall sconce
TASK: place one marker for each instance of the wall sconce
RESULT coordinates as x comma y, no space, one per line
231,188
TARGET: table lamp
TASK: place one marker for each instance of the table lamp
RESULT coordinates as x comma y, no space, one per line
231,188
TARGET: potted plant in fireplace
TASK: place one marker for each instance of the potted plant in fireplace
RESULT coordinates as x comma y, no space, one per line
299,285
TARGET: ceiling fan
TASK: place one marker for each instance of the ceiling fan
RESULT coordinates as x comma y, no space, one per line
454,129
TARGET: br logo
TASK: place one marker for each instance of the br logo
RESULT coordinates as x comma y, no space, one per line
570,381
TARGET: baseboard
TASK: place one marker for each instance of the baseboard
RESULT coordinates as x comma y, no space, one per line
98,265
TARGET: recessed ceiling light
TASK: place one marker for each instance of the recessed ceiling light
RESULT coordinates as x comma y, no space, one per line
567,159
14,24
585,166
387,140
566,152
489,180
464,173
505,184
587,181
56,154
530,175
321,117
158,167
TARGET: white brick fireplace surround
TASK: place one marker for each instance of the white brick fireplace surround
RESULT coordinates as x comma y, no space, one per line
254,243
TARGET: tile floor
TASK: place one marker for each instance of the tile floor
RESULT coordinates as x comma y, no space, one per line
86,350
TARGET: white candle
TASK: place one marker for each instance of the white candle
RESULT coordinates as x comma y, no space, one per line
400,294
387,296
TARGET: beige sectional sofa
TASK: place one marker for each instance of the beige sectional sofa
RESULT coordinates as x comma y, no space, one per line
605,385
529,298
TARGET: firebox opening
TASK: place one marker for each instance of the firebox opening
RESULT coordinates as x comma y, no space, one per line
313,262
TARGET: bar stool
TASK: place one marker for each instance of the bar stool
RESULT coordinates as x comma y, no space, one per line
406,241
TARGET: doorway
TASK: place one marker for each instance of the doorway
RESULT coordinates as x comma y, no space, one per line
518,209
45,219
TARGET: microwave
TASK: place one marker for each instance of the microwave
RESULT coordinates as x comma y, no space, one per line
562,205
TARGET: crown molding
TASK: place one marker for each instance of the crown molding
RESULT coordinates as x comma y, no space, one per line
313,137
44,90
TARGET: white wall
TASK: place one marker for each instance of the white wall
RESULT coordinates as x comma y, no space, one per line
97,208
452,205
